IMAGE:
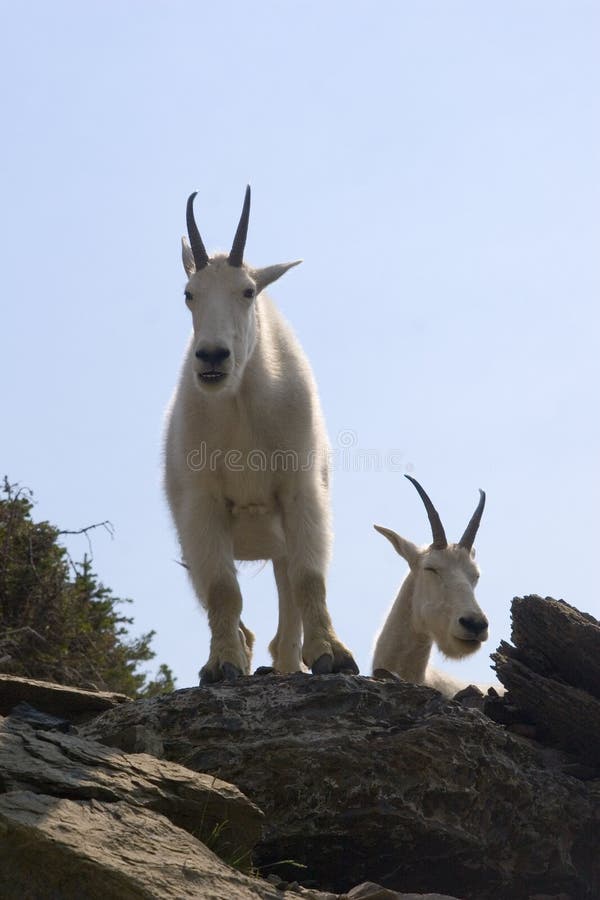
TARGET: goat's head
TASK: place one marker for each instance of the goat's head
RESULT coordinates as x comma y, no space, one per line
444,607
221,294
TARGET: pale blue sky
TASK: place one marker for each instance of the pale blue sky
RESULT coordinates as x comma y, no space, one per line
435,164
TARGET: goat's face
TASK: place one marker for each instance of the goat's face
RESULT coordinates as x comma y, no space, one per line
444,604
222,300
221,293
444,577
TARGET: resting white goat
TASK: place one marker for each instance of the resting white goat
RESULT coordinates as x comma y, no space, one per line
436,603
246,463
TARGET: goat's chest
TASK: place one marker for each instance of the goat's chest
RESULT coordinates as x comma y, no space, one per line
242,463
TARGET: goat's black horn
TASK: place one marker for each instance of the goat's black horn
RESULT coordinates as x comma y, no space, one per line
437,529
236,254
468,537
198,250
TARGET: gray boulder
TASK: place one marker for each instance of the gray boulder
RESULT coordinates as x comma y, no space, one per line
383,781
54,848
67,766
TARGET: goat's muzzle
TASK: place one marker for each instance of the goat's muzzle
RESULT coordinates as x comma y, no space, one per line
213,370
475,628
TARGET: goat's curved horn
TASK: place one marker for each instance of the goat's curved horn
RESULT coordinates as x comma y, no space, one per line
468,537
198,251
236,254
437,529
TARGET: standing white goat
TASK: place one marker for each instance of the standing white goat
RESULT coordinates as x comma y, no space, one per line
246,463
436,602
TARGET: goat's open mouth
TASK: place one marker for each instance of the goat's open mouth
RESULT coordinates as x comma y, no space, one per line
211,377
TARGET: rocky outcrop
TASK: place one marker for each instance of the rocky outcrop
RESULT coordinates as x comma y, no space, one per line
71,704
67,767
58,849
361,780
552,674
381,780
54,848
82,820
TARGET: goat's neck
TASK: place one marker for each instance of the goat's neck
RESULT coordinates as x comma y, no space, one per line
401,648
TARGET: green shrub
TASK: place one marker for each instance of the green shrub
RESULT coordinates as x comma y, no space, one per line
57,621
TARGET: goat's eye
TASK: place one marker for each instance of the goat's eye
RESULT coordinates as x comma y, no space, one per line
249,293
429,569
188,296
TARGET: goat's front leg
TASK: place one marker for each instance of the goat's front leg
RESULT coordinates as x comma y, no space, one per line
307,534
208,552
230,652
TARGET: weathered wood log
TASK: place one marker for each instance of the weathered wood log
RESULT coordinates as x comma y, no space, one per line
552,674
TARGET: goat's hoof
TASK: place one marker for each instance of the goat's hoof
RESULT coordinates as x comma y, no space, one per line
225,672
230,672
265,670
207,676
346,665
323,665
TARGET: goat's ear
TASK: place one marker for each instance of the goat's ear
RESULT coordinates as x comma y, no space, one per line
269,274
187,257
406,549
472,552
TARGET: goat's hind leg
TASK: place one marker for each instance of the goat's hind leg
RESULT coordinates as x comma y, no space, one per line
286,646
247,639
307,536
322,650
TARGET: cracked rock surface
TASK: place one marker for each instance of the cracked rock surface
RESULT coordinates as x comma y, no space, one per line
383,781
58,849
353,788
69,767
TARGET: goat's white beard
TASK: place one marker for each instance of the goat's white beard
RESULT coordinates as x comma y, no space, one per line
454,648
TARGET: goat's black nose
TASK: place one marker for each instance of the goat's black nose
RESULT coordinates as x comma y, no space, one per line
214,356
473,624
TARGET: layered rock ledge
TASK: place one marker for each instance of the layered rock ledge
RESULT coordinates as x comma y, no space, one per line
324,787
382,781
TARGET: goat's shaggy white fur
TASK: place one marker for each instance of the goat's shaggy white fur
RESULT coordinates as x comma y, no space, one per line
246,465
436,603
